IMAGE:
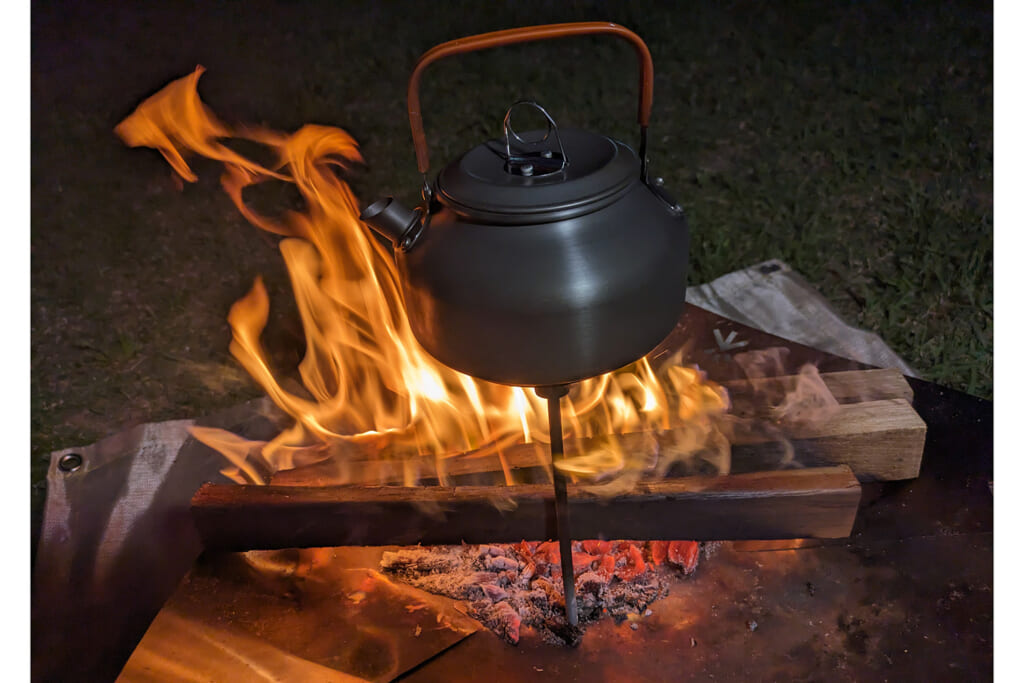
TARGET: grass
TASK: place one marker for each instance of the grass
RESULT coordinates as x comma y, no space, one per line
852,140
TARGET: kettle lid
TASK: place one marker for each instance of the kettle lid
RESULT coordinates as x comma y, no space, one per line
538,176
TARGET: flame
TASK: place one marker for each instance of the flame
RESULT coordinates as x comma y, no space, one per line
369,389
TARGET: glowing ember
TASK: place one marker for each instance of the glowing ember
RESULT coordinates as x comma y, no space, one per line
509,587
372,390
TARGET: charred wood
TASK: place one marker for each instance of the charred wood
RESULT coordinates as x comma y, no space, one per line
799,503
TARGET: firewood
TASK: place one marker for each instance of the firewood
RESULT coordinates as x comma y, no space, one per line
854,386
879,440
797,503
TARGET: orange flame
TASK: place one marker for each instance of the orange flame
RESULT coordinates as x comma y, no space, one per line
371,390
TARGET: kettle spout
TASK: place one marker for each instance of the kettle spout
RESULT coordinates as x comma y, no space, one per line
398,223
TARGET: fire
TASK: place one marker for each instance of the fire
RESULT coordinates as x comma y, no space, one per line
370,389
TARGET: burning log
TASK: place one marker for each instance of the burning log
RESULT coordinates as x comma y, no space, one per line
801,503
873,429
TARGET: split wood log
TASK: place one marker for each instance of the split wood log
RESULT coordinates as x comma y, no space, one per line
874,430
799,503
852,386
878,440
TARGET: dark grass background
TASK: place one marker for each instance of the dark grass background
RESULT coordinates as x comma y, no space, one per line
851,139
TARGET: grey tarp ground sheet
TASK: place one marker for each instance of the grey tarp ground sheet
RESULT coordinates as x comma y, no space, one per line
775,299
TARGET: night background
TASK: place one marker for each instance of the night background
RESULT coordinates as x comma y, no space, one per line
852,140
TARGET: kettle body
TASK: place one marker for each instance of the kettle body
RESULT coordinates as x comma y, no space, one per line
547,302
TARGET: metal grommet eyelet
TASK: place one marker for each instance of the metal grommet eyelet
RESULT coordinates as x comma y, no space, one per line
69,462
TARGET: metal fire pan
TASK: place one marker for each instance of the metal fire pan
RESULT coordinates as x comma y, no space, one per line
297,615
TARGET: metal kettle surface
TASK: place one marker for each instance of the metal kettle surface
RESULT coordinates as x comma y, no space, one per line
544,257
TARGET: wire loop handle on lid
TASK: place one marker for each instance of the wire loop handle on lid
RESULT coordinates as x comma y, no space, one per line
527,34
524,165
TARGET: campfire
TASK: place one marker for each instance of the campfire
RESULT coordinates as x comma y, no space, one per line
389,446
376,407
370,392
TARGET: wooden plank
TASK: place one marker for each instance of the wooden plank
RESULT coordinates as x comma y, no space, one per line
868,385
801,503
878,440
855,386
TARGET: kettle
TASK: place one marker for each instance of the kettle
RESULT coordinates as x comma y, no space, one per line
541,258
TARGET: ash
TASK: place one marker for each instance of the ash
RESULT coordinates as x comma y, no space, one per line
511,586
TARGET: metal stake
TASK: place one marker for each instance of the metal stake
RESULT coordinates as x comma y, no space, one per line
553,394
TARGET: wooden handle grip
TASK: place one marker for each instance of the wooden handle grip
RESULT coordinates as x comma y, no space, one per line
527,34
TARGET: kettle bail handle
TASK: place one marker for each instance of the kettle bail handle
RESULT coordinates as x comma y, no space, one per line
528,34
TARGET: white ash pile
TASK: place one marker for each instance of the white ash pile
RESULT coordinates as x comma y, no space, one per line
509,586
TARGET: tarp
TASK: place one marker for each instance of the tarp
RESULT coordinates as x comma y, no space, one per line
773,298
